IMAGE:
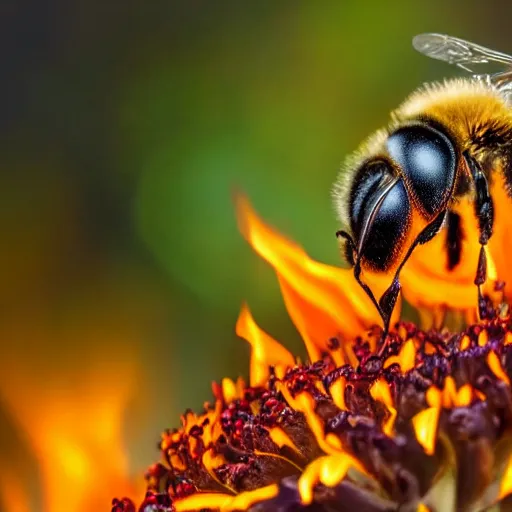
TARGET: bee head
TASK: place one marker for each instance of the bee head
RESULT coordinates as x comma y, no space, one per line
416,170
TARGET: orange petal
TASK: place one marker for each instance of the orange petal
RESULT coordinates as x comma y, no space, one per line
266,351
406,358
226,502
425,428
232,390
380,391
329,470
496,368
323,301
281,438
500,243
428,283
506,481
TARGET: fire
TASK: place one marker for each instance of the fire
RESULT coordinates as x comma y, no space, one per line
329,470
266,352
346,417
380,391
496,368
506,481
425,428
13,492
406,357
73,425
424,278
324,302
226,502
450,396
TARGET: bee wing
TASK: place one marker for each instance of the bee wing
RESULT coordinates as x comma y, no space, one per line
470,57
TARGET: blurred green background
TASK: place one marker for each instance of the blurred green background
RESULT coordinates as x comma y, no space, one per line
124,129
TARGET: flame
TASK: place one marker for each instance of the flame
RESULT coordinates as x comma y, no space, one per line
328,470
14,494
305,404
226,502
380,391
324,302
506,481
483,339
426,421
426,280
74,429
450,396
499,243
465,342
266,351
496,368
337,391
406,358
429,284
281,438
231,390
425,428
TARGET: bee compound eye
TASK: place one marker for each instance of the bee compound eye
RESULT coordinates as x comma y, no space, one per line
428,161
380,214
368,185
387,229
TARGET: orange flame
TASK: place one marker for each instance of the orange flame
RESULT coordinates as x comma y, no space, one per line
226,502
426,281
506,481
450,396
425,428
74,428
328,470
380,391
324,302
13,492
266,351
406,358
425,422
496,368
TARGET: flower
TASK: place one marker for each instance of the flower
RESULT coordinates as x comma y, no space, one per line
420,421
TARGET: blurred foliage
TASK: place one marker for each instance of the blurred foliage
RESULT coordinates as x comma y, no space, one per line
126,130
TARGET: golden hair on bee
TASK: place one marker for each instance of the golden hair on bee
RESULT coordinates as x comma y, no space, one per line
465,107
445,142
472,112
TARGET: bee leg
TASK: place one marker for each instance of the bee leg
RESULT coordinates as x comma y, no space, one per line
484,211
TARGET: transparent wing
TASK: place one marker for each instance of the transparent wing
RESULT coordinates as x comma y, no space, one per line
489,66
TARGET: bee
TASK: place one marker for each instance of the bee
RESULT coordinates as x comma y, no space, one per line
443,143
